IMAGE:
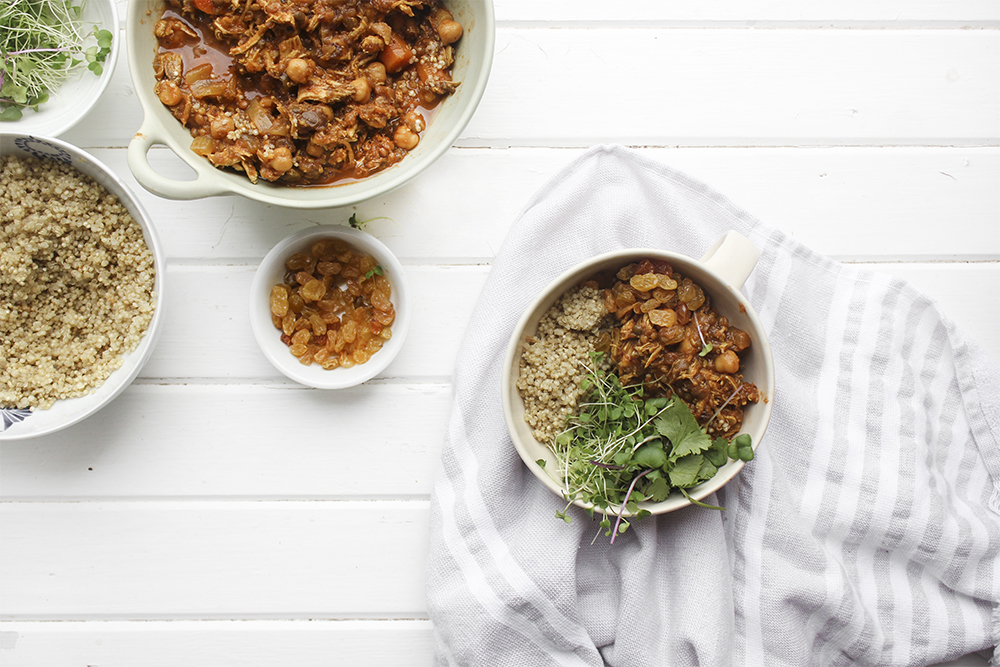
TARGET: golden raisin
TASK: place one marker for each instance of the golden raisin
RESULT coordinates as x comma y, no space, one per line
314,290
663,318
380,301
349,331
665,282
330,324
644,282
279,300
297,262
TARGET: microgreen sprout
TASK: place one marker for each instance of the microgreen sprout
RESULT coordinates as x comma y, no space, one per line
724,404
358,224
377,271
706,347
41,46
620,449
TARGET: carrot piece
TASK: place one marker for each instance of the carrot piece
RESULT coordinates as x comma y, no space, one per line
205,6
396,55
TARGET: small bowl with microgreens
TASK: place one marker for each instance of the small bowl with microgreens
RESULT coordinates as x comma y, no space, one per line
640,381
330,306
58,57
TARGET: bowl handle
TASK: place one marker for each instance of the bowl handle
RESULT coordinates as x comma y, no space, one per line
138,162
732,258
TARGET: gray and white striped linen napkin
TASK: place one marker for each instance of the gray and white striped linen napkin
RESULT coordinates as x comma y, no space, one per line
866,530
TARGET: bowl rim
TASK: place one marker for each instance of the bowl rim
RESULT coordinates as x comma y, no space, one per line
147,343
96,92
210,181
313,376
549,294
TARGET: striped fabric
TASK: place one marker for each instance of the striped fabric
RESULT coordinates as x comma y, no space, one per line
866,531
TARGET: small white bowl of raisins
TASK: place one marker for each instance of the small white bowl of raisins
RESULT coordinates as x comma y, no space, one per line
329,307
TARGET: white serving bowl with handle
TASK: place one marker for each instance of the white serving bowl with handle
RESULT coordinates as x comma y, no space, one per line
473,60
721,272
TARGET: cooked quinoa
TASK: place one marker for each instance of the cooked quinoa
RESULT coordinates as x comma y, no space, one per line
76,283
552,360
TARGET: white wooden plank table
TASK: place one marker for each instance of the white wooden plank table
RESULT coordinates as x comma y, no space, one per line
217,514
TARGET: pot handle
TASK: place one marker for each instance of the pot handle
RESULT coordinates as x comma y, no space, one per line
138,162
732,258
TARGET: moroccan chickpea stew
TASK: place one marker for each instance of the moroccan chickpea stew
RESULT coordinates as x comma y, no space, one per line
304,92
333,307
632,380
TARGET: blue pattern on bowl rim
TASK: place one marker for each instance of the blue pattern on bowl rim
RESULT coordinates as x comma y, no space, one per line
11,416
43,150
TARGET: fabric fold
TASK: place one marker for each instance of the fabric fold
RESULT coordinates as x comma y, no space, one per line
860,534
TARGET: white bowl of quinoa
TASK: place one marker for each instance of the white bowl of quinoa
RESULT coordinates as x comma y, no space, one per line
81,286
677,327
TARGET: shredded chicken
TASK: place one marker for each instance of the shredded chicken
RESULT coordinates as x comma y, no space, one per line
669,338
304,91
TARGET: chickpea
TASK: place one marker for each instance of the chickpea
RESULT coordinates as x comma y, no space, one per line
413,120
314,150
169,93
686,346
727,362
405,138
449,31
376,72
326,110
362,90
281,159
427,97
299,70
441,15
221,126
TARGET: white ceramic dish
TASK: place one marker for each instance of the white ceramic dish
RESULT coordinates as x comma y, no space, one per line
20,424
271,272
77,96
473,59
721,272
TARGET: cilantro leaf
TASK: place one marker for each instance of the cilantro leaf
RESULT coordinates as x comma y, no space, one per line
679,426
658,490
686,471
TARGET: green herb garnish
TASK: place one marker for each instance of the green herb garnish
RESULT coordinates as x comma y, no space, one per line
358,224
377,271
620,449
41,46
706,347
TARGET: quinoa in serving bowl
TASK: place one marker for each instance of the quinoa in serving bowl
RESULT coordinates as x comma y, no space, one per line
80,289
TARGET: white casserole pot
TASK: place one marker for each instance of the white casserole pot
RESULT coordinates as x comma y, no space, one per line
473,59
